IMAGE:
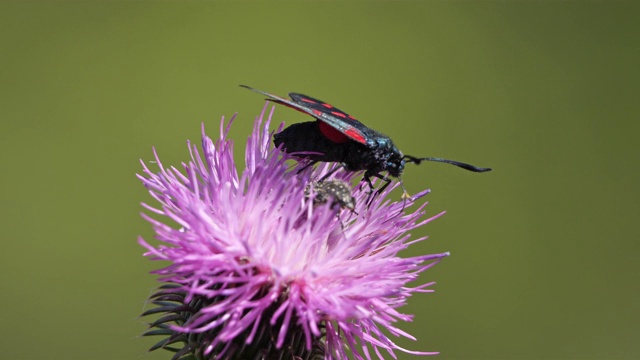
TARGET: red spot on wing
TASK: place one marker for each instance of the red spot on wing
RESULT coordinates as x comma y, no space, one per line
355,135
308,100
351,117
317,112
332,133
328,106
337,113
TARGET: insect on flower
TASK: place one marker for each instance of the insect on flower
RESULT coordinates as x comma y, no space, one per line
336,191
336,136
252,269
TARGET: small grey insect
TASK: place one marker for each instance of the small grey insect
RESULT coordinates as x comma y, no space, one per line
336,191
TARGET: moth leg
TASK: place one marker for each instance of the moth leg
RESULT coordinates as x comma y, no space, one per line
311,163
367,178
386,180
372,195
341,166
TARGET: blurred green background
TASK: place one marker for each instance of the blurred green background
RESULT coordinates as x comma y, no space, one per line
544,249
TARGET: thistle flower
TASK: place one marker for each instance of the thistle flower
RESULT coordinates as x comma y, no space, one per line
259,270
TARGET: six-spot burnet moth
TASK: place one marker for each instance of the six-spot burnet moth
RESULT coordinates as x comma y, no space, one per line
336,136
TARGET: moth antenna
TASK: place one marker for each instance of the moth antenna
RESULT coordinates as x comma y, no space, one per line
465,166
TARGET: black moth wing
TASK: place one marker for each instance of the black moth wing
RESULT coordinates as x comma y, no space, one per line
283,101
336,118
350,127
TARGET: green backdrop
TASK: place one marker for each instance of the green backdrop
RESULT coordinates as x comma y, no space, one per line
544,249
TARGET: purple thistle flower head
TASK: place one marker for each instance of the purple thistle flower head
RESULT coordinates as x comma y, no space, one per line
259,269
